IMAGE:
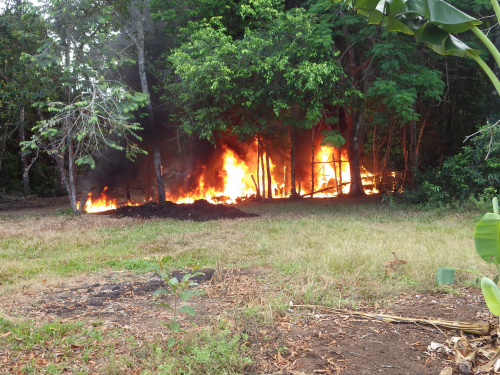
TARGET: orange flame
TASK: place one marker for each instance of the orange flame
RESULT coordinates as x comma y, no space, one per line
332,173
103,203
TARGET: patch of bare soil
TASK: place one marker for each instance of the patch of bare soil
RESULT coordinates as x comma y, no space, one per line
296,342
200,210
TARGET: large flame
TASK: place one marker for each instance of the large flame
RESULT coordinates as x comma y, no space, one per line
331,178
332,173
237,183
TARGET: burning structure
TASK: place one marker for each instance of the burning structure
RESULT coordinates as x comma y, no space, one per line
230,171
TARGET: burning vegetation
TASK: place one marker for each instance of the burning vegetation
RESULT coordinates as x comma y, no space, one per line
231,172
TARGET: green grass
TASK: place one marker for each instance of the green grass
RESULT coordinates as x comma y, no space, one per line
342,244
318,253
83,348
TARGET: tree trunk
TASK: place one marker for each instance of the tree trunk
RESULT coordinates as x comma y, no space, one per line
83,201
268,167
312,163
405,155
293,191
258,165
141,60
263,171
4,141
334,164
72,178
354,165
419,140
413,140
375,161
386,158
24,161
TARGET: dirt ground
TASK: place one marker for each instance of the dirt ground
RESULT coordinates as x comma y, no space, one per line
292,341
297,341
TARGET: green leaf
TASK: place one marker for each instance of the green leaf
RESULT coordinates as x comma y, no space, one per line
185,295
165,305
173,281
170,343
486,236
491,294
175,327
445,276
187,310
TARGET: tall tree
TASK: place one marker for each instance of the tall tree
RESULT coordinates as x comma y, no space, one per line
132,19
250,85
91,110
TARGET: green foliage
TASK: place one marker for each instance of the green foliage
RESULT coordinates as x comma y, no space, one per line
433,23
332,138
208,352
486,239
466,176
283,63
179,289
98,113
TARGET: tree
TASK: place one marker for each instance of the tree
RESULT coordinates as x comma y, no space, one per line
401,84
20,33
284,63
91,110
132,20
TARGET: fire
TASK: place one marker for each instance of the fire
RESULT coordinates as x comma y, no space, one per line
104,203
236,172
236,183
333,174
331,178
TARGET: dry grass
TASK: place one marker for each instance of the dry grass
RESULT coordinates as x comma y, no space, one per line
337,244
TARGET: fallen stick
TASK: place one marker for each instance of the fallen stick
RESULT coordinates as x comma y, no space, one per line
481,329
324,189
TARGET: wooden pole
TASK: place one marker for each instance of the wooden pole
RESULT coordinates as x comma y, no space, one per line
269,182
256,186
263,171
335,170
312,164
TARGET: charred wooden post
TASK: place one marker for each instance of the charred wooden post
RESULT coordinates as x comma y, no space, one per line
335,171
312,165
127,192
293,191
256,186
263,171
269,181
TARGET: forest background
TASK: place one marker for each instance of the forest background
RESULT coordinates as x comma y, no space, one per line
112,85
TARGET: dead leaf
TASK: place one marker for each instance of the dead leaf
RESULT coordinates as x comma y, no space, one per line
393,265
446,371
7,334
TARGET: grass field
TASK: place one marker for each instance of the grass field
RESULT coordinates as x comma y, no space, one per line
345,244
319,253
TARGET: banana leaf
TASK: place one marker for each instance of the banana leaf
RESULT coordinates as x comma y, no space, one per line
431,21
487,236
491,294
